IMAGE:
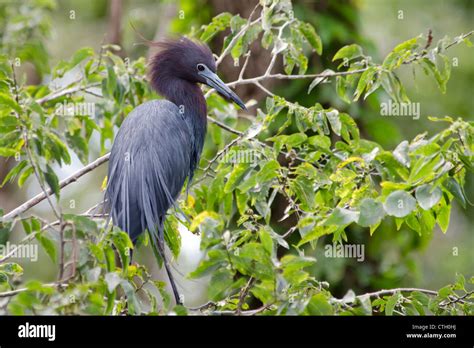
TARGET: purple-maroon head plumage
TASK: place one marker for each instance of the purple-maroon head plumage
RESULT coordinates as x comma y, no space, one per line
178,59
184,62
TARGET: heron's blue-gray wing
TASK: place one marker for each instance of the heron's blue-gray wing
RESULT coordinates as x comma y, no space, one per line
148,165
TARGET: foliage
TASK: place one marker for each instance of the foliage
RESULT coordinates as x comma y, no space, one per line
29,25
312,157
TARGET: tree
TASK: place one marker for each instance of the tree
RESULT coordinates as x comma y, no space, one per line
311,157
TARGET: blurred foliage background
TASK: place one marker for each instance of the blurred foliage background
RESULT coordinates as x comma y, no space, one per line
393,258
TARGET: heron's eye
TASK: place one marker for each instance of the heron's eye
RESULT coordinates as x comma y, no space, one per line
201,67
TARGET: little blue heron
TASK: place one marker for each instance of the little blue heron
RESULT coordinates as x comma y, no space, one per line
159,144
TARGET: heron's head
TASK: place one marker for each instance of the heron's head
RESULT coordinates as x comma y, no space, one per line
190,61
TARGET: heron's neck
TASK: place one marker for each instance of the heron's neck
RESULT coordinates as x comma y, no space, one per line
191,102
186,95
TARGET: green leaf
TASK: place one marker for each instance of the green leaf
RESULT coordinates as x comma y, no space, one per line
242,44
133,304
441,76
36,53
205,217
428,196
349,52
423,168
79,145
341,89
443,215
48,245
311,36
269,171
401,153
267,39
5,99
235,177
319,79
236,23
9,121
216,259
364,81
289,141
253,259
392,85
407,45
460,282
320,141
109,257
371,212
220,283
365,303
112,279
288,62
421,297
319,305
14,172
455,189
110,82
399,204
349,130
172,236
82,223
59,148
219,23
180,310
445,291
295,139
342,217
427,221
52,180
80,55
334,121
391,303
11,268
392,61
266,240
291,262
24,176
413,222
6,152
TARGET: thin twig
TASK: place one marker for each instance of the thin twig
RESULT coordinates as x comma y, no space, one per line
456,299
64,91
221,152
41,196
259,85
238,35
393,291
244,67
243,294
62,244
18,291
245,313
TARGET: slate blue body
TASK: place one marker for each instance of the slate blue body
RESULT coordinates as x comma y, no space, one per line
160,142
146,176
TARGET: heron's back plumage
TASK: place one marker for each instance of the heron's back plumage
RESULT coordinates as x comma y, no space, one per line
149,163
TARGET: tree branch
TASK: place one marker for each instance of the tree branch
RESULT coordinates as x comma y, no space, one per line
41,196
62,92
393,291
18,291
